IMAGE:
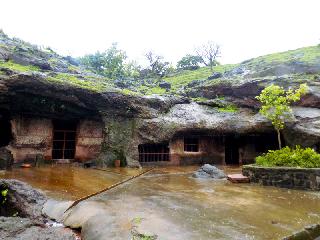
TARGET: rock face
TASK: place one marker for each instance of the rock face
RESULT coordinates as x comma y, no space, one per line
27,201
25,204
16,228
308,233
215,76
209,171
6,158
40,83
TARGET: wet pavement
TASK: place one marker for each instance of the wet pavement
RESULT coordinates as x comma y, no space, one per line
170,203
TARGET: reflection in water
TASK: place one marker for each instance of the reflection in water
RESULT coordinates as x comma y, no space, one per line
66,182
177,205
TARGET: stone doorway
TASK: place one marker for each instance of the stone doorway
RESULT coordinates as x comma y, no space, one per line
231,150
5,131
64,140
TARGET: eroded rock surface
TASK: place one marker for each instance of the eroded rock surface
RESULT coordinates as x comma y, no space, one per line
6,158
22,215
27,201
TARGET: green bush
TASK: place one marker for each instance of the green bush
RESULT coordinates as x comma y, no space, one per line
290,157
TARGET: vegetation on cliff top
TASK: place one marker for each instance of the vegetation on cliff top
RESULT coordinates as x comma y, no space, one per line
158,78
308,55
18,67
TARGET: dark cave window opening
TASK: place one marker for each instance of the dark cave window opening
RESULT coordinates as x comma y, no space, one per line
154,152
5,132
191,144
64,139
232,150
236,146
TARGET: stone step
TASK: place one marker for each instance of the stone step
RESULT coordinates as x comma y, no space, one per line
238,178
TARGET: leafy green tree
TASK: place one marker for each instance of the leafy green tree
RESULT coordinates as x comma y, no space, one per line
114,62
110,63
189,62
132,69
276,104
94,62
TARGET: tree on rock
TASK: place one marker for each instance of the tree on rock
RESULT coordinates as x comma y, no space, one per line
110,63
189,62
157,66
208,53
276,104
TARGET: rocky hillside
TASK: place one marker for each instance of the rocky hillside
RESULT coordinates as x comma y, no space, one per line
38,82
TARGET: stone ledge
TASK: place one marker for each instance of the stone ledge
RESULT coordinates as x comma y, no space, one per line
308,233
286,177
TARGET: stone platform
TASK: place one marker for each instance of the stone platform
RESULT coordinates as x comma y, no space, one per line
238,178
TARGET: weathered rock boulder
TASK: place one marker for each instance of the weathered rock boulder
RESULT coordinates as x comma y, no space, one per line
165,85
27,201
102,226
16,228
215,76
305,130
209,171
21,214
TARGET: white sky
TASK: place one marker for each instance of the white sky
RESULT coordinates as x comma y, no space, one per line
172,28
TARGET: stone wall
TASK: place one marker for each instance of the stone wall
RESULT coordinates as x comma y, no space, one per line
210,151
89,140
287,177
31,136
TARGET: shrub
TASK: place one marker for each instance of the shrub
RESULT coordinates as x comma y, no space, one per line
290,157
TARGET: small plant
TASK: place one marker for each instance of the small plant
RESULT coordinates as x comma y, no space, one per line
228,108
15,214
143,237
140,236
290,157
3,196
276,104
137,220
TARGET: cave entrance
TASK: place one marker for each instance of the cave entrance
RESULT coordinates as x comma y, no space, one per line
154,152
5,132
64,140
243,149
231,150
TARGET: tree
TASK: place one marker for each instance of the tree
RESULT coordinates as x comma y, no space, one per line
110,63
95,62
276,104
132,69
189,62
208,53
114,62
157,67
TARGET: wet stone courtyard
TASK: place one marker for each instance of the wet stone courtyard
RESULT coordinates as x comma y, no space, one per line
170,203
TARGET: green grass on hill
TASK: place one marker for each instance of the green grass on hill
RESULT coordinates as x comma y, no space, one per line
90,83
96,85
18,67
307,55
185,77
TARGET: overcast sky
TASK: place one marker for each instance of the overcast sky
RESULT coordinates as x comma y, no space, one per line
172,28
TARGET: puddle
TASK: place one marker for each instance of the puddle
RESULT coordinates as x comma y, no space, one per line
66,182
177,206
